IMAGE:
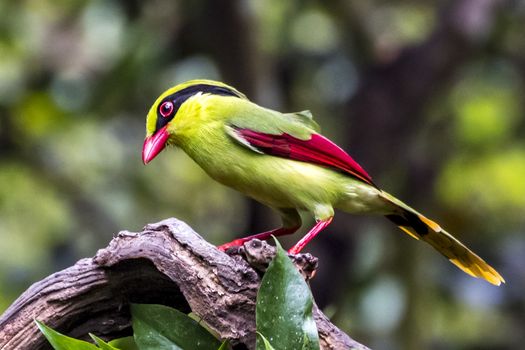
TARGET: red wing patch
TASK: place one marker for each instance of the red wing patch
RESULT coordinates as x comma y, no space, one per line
317,150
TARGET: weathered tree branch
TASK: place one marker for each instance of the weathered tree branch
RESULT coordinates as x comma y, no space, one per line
167,263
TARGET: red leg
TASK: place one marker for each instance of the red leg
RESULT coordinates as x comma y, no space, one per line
262,236
319,226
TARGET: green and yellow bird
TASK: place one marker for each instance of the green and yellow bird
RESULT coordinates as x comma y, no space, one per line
282,161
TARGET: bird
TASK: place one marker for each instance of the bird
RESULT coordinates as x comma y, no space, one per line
284,162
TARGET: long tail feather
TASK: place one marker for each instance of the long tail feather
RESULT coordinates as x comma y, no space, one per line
420,227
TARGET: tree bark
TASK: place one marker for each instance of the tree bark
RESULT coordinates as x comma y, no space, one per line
167,263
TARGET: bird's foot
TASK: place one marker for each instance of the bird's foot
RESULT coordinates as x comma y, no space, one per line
294,250
235,243
262,236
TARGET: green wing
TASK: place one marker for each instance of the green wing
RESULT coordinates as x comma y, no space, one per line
304,117
299,125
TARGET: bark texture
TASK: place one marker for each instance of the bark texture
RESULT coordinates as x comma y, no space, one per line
167,263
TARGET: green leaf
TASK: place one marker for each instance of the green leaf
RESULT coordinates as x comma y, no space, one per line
126,343
224,345
63,342
203,324
267,345
102,344
284,307
159,327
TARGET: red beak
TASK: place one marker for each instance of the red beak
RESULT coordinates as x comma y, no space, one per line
154,144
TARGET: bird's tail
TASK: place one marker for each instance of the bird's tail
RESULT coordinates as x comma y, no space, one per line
420,227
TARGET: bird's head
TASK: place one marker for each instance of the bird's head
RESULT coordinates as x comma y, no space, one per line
167,111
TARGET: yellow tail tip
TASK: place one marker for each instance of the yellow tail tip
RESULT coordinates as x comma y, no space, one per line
484,271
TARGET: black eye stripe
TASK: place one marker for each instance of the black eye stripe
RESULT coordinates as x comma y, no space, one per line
181,96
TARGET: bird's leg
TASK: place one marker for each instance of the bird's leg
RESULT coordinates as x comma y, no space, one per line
291,223
281,231
319,226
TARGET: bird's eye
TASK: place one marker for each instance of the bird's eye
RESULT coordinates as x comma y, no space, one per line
166,109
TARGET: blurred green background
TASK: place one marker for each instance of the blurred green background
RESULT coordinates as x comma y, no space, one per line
427,95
